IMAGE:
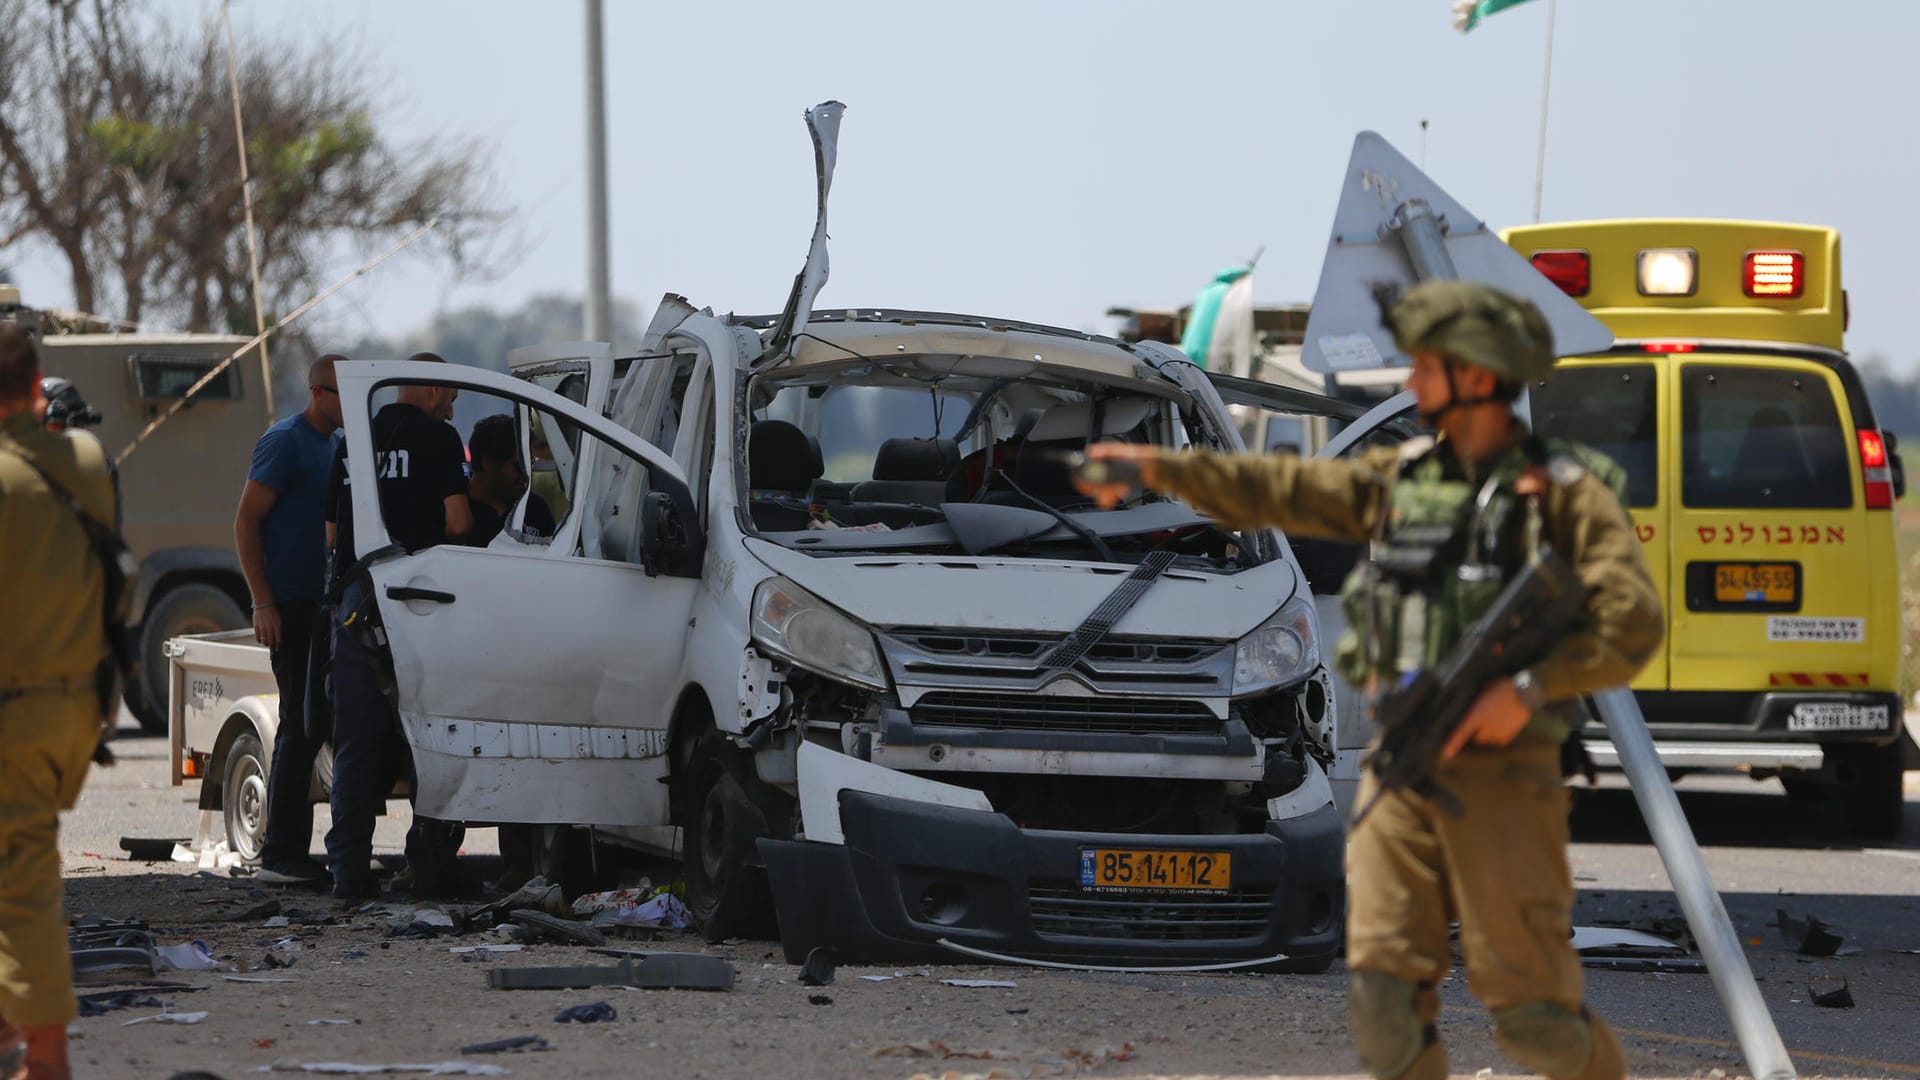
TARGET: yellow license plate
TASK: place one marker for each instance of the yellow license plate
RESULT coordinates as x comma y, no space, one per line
1136,870
1748,583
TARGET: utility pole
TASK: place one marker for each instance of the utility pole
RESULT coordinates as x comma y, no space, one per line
599,313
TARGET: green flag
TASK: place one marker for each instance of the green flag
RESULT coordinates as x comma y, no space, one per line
1219,334
1468,13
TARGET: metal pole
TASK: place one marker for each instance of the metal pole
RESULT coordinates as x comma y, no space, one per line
1546,84
246,198
599,320
1753,1026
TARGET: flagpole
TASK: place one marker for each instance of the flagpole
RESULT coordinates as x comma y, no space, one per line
1546,85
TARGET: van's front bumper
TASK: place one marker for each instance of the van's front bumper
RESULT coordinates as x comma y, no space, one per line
1797,716
911,873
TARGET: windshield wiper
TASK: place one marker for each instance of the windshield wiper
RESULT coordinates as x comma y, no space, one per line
1099,546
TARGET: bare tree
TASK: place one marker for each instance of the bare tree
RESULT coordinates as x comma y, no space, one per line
117,149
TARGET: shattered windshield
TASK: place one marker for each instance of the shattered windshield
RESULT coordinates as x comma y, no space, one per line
886,456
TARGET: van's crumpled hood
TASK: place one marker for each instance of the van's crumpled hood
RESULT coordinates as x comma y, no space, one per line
1039,595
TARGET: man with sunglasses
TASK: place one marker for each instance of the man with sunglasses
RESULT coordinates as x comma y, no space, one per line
280,534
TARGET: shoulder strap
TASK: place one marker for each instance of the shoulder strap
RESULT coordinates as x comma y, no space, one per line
106,542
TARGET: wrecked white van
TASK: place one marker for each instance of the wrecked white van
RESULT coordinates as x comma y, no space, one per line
826,616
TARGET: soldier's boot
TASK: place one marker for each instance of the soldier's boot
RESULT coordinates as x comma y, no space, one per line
47,1053
1559,1043
1391,1020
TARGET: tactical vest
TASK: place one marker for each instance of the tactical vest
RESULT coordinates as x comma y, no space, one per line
1448,544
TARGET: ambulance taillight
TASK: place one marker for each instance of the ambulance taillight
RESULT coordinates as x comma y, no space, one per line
1775,274
1876,472
1571,270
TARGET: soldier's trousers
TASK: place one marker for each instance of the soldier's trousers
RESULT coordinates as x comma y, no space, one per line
1500,869
47,736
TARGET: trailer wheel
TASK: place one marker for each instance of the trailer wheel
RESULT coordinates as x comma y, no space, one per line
192,608
243,790
727,887
1871,783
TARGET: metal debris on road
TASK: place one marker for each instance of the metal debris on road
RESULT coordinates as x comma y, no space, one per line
540,924
981,984
1813,936
437,1068
513,1044
1841,998
819,967
650,971
167,1018
591,1013
114,1001
188,956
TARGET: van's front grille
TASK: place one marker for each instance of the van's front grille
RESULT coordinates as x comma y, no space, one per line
1224,916
1009,661
1046,712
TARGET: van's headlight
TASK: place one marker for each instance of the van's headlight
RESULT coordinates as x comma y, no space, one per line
1279,652
800,626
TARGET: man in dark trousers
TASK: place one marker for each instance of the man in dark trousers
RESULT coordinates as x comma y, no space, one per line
279,533
419,467
53,702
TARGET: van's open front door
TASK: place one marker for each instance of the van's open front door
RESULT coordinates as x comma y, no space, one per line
527,675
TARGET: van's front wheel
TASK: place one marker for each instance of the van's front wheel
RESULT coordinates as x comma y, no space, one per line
727,887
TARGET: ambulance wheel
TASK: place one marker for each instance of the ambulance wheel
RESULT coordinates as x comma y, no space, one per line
193,608
727,887
1871,782
243,796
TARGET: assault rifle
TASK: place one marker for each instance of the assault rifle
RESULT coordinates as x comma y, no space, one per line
1540,606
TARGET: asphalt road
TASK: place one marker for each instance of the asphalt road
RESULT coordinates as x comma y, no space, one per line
1765,852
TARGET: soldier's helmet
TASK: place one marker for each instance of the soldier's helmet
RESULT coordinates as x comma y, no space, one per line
1475,324
65,406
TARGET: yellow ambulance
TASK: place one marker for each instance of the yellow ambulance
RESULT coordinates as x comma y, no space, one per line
1761,489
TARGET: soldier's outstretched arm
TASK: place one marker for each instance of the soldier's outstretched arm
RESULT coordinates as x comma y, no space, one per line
1334,499
1625,622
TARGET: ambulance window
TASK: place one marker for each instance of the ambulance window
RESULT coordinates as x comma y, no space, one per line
1761,437
1609,408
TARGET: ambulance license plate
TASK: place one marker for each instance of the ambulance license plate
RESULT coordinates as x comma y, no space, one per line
1756,583
1136,870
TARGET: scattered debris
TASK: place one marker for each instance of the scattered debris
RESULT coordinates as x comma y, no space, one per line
649,971
632,907
189,956
141,849
323,1020
273,961
535,895
981,984
113,1001
1812,935
92,964
1841,998
878,978
255,979
1022,1011
513,1044
501,948
590,1013
167,1018
819,999
1626,949
819,968
265,909
276,923
438,1068
538,924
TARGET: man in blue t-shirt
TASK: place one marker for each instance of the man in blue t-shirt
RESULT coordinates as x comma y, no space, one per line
280,534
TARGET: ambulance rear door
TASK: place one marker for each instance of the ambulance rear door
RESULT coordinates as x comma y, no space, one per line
1614,405
1773,579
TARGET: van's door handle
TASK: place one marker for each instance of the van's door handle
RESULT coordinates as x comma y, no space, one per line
408,592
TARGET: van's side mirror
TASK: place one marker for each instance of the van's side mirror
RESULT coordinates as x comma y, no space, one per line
670,539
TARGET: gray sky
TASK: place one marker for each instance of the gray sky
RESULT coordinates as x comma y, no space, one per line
1048,159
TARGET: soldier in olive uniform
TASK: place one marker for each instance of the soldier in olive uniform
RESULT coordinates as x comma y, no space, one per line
52,644
1499,868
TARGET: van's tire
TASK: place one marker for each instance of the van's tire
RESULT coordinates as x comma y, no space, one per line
243,796
1870,782
191,608
727,888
